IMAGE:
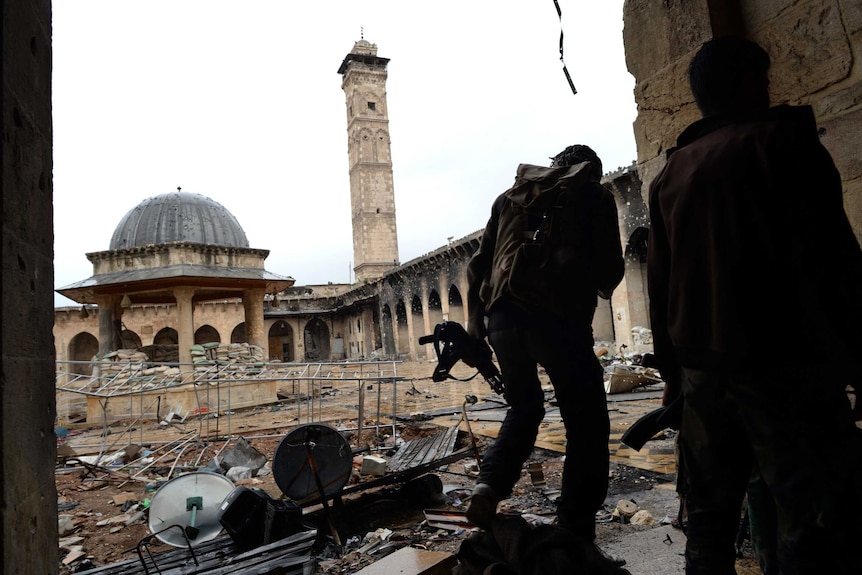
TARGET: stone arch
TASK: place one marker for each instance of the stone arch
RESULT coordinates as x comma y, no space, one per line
402,336
167,336
376,336
316,340
456,305
238,334
435,308
131,340
636,247
365,141
83,347
207,334
281,347
382,147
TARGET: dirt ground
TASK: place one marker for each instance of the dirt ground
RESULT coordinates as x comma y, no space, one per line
104,507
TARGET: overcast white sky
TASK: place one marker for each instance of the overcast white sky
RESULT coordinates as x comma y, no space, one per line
242,102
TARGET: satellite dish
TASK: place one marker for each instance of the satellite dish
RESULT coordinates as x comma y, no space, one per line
311,448
191,501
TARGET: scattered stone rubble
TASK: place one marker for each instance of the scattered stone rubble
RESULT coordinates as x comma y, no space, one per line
392,520
373,534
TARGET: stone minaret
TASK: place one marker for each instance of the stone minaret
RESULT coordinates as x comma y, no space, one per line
372,192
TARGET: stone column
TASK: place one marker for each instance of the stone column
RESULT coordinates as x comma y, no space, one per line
638,305
389,329
368,332
185,325
426,322
412,345
252,302
109,312
443,288
463,285
28,448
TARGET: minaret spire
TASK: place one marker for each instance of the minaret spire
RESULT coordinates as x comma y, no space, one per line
372,191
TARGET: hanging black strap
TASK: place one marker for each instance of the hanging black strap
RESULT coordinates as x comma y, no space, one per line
565,70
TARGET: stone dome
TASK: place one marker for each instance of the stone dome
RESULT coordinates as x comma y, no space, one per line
178,217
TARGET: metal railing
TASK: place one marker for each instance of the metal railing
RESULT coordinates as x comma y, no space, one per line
141,387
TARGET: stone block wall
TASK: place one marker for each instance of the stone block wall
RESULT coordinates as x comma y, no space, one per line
28,496
815,47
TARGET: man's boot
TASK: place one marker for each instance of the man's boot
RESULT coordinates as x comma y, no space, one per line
483,506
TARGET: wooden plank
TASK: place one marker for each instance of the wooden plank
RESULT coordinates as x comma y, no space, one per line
412,561
449,520
424,450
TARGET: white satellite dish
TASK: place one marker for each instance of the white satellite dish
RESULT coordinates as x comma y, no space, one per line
187,507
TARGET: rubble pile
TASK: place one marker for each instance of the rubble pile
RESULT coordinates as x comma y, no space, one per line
151,362
389,504
109,501
125,364
227,353
162,353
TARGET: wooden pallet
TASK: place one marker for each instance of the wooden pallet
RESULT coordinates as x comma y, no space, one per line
219,556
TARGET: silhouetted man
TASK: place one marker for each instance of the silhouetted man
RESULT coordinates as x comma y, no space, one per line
551,245
750,246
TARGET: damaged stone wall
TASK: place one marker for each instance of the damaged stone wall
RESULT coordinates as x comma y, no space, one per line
627,316
28,495
815,47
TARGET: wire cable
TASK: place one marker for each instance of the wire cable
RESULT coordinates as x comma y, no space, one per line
565,70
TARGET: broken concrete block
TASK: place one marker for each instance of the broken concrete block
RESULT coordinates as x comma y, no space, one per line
243,454
65,524
237,473
642,517
373,465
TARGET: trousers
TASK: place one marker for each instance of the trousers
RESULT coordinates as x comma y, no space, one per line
522,342
793,425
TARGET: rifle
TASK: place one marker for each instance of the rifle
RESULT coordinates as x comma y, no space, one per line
669,416
665,417
452,343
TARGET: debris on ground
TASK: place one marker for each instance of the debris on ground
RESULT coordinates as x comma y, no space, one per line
104,502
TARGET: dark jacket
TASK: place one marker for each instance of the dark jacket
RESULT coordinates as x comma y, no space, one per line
749,244
581,256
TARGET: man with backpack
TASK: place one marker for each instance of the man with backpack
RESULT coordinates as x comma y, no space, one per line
551,247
